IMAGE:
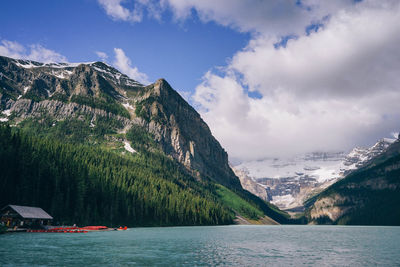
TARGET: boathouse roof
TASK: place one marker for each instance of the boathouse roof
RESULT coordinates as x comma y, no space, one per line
30,212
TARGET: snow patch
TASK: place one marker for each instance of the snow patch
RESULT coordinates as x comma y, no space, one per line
128,106
7,112
91,123
26,88
101,70
116,76
108,74
389,140
3,119
285,200
128,147
66,65
62,74
325,174
132,83
28,64
49,94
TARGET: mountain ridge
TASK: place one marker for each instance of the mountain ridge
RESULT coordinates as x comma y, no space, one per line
367,196
95,104
291,182
146,106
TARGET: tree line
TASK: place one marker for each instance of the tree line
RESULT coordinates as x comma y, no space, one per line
81,184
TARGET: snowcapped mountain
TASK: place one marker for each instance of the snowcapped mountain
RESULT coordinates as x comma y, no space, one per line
358,156
65,70
289,182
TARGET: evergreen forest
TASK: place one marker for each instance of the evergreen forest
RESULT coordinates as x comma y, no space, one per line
86,185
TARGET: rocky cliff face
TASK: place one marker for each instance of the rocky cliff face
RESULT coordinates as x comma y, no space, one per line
251,185
30,89
183,134
369,195
25,108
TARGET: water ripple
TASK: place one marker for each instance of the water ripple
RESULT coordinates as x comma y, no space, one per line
208,246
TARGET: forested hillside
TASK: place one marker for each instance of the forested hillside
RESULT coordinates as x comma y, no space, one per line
71,150
86,185
368,196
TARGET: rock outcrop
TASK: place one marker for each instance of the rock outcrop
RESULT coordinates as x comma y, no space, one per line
252,186
183,134
368,196
29,89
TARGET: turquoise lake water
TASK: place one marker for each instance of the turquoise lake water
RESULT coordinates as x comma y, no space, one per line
208,246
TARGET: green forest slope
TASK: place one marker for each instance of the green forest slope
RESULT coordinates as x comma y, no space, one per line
368,196
85,184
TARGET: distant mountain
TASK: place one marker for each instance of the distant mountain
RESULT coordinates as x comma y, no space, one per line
289,182
93,104
251,185
367,196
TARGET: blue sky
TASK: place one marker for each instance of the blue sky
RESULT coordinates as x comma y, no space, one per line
271,78
178,52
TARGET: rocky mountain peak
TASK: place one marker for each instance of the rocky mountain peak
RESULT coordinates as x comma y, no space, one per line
162,89
183,134
359,155
63,90
290,181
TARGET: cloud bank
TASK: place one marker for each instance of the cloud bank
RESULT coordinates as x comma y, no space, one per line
34,52
132,11
325,73
328,90
102,55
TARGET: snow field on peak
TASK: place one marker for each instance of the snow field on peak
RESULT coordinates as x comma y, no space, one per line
285,200
64,73
289,182
321,170
28,64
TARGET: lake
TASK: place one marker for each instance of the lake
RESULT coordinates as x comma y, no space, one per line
210,245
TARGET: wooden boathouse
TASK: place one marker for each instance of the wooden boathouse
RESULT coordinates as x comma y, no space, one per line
24,216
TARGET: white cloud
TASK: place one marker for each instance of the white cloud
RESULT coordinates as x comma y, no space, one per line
41,54
273,17
251,15
331,90
103,56
11,49
133,11
35,52
245,16
116,11
123,63
353,56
